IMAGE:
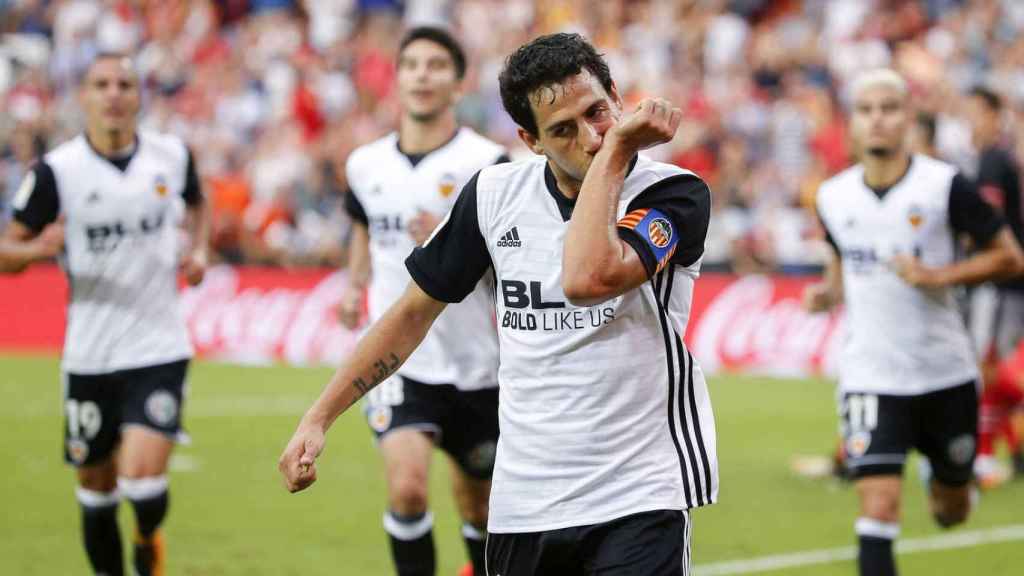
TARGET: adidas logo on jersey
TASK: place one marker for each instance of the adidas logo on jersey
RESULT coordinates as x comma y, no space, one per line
510,239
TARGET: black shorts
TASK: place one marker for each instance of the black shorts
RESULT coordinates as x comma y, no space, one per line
878,430
97,406
648,544
463,423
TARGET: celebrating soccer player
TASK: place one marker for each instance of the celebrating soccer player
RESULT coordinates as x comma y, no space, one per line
607,435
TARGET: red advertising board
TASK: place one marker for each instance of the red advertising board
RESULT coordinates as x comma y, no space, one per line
258,315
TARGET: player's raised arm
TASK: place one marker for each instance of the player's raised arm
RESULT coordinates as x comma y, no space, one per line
596,263
379,354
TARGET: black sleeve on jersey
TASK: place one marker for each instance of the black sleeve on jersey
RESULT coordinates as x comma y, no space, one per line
686,200
43,204
828,233
355,208
503,158
193,192
454,260
969,213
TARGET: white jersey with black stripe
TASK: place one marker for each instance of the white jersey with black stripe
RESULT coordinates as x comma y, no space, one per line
603,411
121,252
901,339
390,189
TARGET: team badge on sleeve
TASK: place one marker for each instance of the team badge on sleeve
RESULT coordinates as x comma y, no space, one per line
656,229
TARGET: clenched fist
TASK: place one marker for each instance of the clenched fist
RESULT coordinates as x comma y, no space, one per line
298,462
654,122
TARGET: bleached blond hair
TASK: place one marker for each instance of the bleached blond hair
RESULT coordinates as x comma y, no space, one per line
878,78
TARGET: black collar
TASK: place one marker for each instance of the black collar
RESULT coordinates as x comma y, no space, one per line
119,162
881,192
565,204
415,159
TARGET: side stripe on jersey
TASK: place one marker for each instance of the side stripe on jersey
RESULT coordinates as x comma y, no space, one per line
684,419
658,281
695,421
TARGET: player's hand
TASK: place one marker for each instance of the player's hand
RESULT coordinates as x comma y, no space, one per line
193,266
298,462
911,271
350,309
422,226
654,122
818,298
49,243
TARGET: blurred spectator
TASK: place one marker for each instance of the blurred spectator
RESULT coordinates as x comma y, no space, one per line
272,94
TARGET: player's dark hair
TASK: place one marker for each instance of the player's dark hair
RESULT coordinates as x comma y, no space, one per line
926,120
99,57
442,38
543,62
992,100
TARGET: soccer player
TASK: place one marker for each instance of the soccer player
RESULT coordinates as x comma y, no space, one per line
908,378
998,324
446,392
607,435
107,203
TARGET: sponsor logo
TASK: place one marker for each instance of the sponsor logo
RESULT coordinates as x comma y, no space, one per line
961,449
660,232
253,316
447,185
757,324
510,239
527,309
858,443
161,185
161,408
78,450
379,417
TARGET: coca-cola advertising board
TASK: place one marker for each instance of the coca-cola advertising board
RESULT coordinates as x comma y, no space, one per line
748,324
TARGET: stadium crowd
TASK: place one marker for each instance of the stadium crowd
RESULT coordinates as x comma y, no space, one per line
272,95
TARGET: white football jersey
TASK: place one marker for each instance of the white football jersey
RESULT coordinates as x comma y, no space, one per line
121,250
389,189
603,411
902,340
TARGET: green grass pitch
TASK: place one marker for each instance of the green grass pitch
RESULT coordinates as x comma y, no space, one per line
231,516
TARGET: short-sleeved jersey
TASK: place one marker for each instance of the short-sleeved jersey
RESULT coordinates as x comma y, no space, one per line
387,190
121,248
999,184
902,340
602,410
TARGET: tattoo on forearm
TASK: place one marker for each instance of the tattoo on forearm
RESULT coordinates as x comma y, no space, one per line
382,368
